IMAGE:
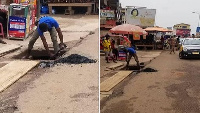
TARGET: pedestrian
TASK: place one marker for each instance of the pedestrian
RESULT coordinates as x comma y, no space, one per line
114,50
44,24
107,49
172,44
193,36
131,52
162,42
178,42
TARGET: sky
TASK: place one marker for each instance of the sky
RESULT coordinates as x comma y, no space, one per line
170,12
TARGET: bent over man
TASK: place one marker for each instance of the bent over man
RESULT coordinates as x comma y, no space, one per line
131,52
45,24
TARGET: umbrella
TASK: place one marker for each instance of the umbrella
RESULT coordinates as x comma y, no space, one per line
127,29
157,29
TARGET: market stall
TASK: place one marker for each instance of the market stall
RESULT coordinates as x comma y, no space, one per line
129,33
155,34
22,17
134,33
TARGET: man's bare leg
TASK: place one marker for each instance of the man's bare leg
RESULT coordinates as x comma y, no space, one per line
137,61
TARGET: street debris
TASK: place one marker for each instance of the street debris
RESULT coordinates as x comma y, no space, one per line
72,59
149,70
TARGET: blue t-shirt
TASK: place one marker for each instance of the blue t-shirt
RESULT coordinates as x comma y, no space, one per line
131,50
51,22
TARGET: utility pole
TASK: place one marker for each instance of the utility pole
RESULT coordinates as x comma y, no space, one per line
199,16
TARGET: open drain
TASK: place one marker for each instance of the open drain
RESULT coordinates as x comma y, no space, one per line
72,59
133,67
38,55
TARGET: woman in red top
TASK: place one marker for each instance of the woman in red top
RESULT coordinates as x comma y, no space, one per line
114,50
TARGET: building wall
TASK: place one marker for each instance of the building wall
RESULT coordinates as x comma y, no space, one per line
182,26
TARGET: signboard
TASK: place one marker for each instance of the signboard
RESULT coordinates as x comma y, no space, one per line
136,36
17,27
183,32
107,13
140,16
198,29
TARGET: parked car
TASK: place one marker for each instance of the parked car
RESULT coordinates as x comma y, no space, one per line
190,47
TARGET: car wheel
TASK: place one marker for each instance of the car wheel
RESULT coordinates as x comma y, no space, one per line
181,55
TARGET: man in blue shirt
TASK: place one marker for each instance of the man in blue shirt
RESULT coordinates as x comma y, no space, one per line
131,52
45,24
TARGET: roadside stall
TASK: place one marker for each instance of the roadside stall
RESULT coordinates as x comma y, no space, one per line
22,17
156,33
131,31
126,30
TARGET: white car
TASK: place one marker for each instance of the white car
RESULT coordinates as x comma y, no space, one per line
190,47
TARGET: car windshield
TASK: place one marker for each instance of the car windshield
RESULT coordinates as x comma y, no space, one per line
192,42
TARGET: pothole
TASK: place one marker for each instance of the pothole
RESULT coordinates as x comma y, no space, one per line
133,67
38,55
72,59
136,68
149,70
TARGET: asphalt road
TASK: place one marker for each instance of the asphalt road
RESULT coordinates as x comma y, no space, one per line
173,89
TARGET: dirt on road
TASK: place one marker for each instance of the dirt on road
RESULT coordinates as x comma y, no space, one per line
174,88
63,88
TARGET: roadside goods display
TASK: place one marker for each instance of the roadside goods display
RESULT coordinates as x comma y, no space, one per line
140,16
22,17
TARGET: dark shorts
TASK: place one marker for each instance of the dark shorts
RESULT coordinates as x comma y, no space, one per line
115,51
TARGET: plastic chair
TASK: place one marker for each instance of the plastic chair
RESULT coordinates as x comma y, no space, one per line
1,28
